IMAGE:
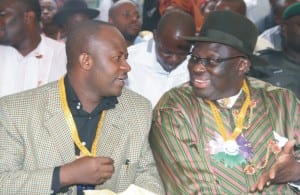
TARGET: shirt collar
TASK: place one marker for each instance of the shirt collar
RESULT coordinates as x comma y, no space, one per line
229,101
74,102
37,52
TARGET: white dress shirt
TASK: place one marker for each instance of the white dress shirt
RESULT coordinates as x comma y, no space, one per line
44,64
147,77
104,6
273,35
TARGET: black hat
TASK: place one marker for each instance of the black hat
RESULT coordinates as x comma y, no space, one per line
72,7
292,10
229,28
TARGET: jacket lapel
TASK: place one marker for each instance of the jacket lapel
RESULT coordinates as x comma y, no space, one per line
111,137
57,126
112,133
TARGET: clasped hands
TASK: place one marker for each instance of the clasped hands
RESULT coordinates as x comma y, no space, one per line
285,169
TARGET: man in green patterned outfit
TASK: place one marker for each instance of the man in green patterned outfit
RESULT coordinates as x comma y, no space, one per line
224,132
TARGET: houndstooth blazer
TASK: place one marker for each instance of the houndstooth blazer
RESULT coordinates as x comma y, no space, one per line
35,138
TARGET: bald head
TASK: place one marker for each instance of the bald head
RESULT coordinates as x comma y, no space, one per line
175,23
238,6
117,5
171,48
124,14
82,37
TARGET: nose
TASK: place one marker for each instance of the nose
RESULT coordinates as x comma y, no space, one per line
198,68
125,66
134,17
45,10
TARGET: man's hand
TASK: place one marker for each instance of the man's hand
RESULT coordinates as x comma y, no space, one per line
286,169
87,170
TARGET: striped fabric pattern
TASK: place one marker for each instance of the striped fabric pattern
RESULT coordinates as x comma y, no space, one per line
184,124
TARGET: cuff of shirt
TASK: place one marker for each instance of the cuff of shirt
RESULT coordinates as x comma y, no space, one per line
295,186
55,180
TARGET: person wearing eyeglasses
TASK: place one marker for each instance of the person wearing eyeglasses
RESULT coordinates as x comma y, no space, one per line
224,132
159,64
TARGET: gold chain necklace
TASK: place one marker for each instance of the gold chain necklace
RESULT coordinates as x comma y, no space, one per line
240,118
272,147
70,120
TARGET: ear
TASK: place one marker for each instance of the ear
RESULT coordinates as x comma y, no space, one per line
244,66
155,35
85,61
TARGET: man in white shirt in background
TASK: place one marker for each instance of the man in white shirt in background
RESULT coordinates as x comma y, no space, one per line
161,63
104,6
28,59
273,34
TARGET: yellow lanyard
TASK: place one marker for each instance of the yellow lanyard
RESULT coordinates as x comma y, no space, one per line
70,120
240,118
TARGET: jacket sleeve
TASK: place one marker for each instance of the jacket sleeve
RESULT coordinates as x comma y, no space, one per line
15,178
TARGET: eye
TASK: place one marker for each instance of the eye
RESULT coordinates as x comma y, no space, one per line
194,59
51,8
204,61
117,58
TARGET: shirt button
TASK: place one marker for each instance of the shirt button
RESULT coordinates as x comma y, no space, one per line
90,117
78,106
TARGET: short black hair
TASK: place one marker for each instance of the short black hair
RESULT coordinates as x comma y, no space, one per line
80,36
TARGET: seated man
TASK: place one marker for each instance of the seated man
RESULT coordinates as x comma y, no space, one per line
161,63
224,132
83,131
28,60
124,14
274,34
284,66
